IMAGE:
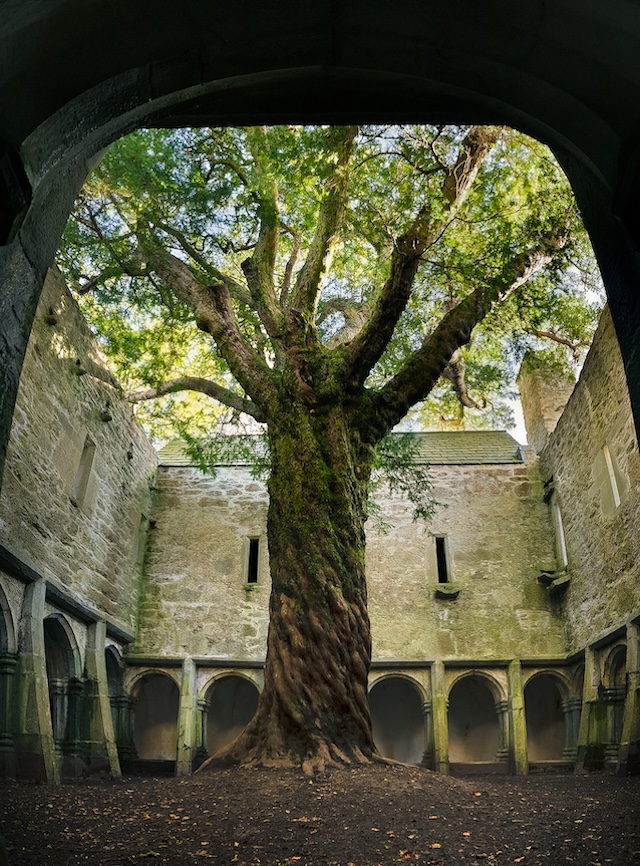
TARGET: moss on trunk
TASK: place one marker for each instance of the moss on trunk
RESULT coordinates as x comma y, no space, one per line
314,708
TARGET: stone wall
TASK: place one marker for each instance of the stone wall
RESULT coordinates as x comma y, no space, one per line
76,488
592,461
197,602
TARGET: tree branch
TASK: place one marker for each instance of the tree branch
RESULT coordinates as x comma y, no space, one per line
259,268
214,314
423,368
203,386
574,347
330,216
454,372
367,347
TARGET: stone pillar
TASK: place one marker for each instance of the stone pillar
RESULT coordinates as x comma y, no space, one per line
518,760
36,754
8,664
502,711
629,751
614,699
440,719
187,719
102,750
202,712
588,750
122,706
72,766
571,709
428,757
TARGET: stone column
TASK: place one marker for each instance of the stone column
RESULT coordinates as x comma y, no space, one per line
123,708
428,758
614,699
629,751
187,719
71,746
202,712
8,664
518,760
571,709
588,719
440,720
502,711
36,754
103,753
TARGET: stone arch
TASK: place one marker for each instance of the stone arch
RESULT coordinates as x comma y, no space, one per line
397,715
156,701
614,692
615,668
8,643
546,696
539,70
63,668
476,712
230,702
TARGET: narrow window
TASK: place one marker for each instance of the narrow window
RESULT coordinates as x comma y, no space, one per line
441,559
613,481
83,473
561,544
252,564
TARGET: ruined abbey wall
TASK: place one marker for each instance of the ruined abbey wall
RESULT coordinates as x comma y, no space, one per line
592,468
76,489
197,600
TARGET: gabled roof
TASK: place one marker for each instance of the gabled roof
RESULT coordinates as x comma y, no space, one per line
448,448
441,448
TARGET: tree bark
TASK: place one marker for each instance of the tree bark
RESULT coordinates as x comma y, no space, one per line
314,708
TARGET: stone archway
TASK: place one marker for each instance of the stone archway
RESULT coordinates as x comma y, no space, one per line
230,704
398,719
546,719
475,732
556,71
155,728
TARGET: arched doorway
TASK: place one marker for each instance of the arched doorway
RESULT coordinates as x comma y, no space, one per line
60,664
546,722
120,704
614,693
230,704
474,723
397,718
8,662
155,729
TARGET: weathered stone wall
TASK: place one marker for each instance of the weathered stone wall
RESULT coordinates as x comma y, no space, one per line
196,599
592,451
83,534
497,537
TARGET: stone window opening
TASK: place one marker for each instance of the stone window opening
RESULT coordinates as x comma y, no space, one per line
253,560
84,471
561,543
441,559
613,480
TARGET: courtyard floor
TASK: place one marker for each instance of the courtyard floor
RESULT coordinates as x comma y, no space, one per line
351,817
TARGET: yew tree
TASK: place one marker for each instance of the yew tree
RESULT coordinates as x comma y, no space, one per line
323,282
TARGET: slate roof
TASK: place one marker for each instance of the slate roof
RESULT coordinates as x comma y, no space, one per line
439,448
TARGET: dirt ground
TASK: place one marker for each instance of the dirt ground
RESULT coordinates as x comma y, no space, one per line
350,817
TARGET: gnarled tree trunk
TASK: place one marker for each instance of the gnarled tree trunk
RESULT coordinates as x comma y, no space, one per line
314,708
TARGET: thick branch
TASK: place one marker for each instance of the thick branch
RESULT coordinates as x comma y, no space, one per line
203,386
455,373
423,368
235,287
330,216
214,314
259,268
367,347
